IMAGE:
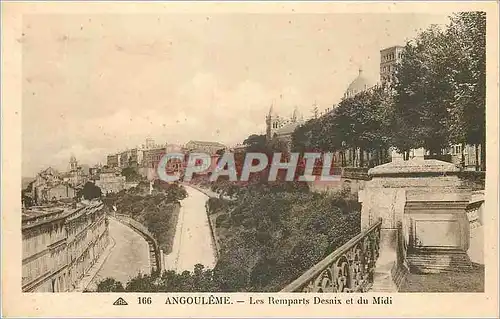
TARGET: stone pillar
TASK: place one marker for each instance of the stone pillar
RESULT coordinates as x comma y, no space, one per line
426,196
395,155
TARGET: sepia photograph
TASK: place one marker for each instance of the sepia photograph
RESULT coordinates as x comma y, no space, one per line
253,152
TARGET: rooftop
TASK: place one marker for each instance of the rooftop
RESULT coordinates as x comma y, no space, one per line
38,215
288,128
359,84
206,143
44,211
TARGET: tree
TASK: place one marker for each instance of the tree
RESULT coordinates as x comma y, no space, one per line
256,143
440,87
90,191
423,94
142,283
315,111
359,122
131,174
466,49
110,285
26,196
277,145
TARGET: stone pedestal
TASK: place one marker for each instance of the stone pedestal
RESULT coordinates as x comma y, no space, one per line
426,197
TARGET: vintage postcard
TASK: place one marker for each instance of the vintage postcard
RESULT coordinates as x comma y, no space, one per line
249,159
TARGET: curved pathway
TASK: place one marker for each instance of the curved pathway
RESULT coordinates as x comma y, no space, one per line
193,240
129,256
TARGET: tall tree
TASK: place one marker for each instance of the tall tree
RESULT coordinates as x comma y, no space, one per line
91,191
440,86
466,69
256,143
423,94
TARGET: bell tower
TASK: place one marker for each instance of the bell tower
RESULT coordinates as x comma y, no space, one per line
272,123
73,163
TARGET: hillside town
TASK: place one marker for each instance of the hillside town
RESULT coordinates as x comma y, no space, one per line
411,193
125,168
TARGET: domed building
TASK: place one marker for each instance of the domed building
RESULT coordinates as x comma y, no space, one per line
359,84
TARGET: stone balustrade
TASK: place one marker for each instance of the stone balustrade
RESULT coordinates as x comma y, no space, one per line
360,173
475,215
348,269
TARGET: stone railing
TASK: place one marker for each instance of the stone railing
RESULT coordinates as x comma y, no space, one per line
475,209
475,215
355,173
348,269
208,192
400,269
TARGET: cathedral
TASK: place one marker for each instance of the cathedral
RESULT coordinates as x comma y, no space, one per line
282,127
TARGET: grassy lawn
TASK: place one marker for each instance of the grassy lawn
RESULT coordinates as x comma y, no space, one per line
446,282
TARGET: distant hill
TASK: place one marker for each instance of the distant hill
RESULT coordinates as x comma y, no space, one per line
25,181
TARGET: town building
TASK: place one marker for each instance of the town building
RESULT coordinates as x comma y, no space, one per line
282,127
150,143
128,158
204,147
463,156
213,149
142,158
135,157
123,159
77,175
153,156
113,160
60,245
466,156
389,59
175,165
145,159
50,185
238,148
358,85
94,171
60,192
43,180
110,180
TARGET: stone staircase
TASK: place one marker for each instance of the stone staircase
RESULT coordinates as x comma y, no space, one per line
382,279
432,262
382,275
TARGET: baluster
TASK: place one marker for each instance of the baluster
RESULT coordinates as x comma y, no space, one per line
343,276
350,270
357,270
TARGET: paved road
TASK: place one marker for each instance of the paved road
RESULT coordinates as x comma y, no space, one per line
193,241
129,256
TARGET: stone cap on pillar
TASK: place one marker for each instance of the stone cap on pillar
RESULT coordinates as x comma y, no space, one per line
415,167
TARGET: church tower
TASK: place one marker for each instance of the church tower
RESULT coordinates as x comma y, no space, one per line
273,123
73,163
295,115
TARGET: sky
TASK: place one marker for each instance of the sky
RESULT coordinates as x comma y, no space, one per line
97,84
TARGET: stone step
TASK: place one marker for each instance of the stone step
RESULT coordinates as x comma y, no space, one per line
438,264
382,282
439,261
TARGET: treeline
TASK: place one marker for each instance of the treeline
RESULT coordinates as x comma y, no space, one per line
269,237
437,97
